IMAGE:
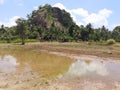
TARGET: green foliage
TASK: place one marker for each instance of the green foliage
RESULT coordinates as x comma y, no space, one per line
19,40
5,34
22,29
116,33
53,24
110,41
66,39
16,40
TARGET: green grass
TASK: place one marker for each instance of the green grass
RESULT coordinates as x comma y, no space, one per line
19,41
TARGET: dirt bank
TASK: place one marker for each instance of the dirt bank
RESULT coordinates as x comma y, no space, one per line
79,49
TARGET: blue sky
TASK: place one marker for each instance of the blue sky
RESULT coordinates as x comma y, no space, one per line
97,12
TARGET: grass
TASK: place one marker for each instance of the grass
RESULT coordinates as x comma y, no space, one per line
19,41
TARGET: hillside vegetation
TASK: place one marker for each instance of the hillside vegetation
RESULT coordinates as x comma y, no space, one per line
49,23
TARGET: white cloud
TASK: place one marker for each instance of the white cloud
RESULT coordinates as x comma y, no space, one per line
83,17
10,22
105,12
59,5
80,11
1,1
98,19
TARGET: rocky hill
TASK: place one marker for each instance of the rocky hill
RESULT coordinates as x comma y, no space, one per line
47,15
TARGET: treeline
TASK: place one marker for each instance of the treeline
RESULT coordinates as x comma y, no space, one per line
52,24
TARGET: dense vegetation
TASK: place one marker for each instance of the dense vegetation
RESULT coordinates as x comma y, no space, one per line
53,24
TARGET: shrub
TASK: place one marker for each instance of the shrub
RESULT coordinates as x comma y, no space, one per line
67,39
110,41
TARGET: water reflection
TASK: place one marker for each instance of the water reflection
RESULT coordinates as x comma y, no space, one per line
94,69
8,64
80,68
43,63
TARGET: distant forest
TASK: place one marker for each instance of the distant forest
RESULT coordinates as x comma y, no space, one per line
49,23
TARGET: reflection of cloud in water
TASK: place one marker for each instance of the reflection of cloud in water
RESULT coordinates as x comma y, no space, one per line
8,64
80,68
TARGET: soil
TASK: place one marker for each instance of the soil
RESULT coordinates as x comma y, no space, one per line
77,51
28,80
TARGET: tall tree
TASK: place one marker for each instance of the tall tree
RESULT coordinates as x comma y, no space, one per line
22,29
86,31
104,33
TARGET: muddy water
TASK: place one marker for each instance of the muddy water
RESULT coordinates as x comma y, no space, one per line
95,70
43,63
47,64
27,69
20,70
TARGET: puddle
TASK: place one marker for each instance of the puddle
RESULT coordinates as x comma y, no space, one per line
43,63
94,69
8,64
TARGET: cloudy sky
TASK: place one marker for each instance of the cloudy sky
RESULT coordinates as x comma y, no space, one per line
97,12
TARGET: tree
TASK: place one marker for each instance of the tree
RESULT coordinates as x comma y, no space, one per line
104,33
75,32
22,29
116,33
2,31
85,32
5,34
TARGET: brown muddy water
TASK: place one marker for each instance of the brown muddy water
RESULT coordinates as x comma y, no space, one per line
22,69
43,63
29,69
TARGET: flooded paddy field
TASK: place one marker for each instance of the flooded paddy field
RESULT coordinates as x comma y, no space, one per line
89,73
20,66
23,68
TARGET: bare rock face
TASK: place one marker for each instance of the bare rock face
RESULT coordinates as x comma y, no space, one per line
47,15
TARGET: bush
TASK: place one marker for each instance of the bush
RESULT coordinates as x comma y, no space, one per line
67,39
110,41
32,40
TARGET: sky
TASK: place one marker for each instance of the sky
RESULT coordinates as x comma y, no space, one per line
96,12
